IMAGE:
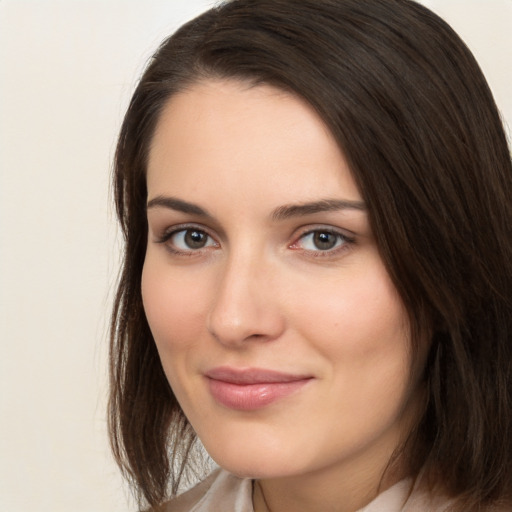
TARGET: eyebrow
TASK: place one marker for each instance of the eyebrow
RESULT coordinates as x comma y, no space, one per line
178,205
280,213
325,205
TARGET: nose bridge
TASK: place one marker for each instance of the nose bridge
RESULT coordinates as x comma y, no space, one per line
242,307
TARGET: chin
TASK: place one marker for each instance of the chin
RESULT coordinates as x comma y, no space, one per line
257,470
258,461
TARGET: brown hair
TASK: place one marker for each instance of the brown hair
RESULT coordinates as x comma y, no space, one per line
413,114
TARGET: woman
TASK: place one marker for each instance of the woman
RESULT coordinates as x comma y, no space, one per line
317,274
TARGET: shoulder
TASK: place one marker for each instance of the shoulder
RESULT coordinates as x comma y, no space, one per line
407,496
432,502
219,491
184,502
421,499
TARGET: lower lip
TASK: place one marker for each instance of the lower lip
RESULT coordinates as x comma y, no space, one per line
248,397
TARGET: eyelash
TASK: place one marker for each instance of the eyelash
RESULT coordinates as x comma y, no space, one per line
343,242
168,234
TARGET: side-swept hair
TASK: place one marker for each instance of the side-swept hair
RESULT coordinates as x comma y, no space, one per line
413,115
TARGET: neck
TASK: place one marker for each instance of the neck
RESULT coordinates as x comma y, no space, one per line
335,489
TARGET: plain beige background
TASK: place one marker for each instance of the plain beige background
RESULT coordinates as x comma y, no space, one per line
67,69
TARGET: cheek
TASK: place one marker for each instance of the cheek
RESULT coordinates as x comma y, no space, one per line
361,330
358,321
174,306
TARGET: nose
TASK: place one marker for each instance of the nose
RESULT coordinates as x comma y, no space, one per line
245,305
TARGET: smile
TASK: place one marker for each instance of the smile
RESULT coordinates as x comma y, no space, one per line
252,389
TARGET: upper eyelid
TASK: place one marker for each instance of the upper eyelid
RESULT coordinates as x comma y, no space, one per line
176,228
306,230
164,238
347,240
336,233
160,229
167,232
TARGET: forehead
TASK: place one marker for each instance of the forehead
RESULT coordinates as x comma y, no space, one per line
245,138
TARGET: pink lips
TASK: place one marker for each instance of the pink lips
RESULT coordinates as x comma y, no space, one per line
251,388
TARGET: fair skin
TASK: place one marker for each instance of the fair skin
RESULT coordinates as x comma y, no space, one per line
260,258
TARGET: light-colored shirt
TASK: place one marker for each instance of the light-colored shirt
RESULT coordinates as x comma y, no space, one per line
224,492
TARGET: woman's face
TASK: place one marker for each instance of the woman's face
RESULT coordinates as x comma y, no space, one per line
277,325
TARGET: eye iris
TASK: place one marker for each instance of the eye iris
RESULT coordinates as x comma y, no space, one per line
195,239
324,240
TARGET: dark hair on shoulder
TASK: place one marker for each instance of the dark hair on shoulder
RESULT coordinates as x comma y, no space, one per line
413,115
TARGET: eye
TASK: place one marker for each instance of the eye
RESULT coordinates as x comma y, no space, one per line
188,240
321,240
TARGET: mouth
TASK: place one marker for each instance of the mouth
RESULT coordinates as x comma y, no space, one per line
252,388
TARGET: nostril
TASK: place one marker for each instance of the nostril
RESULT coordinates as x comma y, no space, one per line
245,325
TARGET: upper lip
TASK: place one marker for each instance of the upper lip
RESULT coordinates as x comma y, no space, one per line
252,375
